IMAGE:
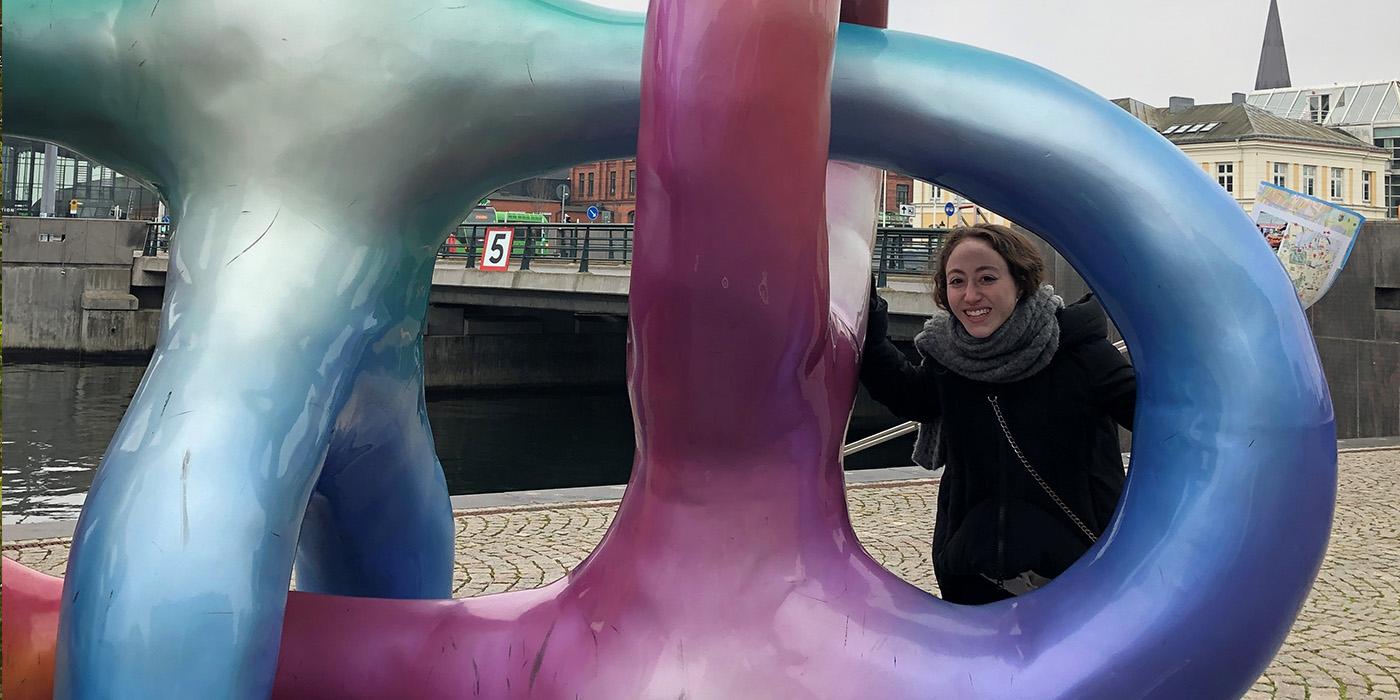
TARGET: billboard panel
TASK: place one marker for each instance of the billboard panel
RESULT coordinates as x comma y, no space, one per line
1313,238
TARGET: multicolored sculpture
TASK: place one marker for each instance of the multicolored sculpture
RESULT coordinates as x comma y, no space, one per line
315,153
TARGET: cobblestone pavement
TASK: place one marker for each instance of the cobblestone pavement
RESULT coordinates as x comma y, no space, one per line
1345,644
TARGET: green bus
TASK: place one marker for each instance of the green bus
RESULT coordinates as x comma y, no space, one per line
486,214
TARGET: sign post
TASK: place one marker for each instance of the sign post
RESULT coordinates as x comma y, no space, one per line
495,254
593,212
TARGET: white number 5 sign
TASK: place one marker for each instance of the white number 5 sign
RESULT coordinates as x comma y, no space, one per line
495,255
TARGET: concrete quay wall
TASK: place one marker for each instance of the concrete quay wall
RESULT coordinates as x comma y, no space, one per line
1357,328
68,288
520,352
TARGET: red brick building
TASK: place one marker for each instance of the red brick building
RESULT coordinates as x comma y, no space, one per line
899,189
611,185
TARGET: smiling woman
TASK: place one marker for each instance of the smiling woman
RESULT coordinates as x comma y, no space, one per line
1017,396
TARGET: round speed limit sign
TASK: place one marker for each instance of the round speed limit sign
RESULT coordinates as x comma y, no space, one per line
495,254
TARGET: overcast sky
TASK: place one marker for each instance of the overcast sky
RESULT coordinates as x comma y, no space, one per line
1204,49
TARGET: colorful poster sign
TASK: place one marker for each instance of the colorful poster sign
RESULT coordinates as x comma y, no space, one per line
1313,238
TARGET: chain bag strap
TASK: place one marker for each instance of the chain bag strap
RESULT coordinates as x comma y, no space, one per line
996,408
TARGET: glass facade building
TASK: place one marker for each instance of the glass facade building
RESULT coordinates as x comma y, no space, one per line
96,187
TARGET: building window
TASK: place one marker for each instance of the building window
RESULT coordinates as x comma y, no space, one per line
1391,196
66,171
612,185
578,191
590,185
21,179
632,182
632,216
1225,175
109,183
1319,106
1334,183
82,180
1367,182
901,194
36,174
1310,180
1281,174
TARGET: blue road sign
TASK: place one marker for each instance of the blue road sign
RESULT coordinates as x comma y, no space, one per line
592,213
949,208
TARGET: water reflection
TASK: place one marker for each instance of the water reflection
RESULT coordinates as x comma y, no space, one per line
58,419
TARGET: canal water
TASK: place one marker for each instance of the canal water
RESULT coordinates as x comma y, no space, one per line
58,419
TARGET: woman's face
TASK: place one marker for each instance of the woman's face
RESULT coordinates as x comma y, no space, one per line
981,292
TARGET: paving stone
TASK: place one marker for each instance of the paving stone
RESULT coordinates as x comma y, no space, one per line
1345,643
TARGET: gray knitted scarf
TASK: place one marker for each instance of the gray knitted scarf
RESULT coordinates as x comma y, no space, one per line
1022,346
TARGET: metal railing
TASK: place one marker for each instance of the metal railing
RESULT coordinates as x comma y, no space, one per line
903,251
897,250
879,438
570,244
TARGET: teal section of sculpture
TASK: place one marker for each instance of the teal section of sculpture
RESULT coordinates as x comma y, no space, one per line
314,155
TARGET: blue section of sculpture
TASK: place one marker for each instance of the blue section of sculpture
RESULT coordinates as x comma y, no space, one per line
313,158
1229,501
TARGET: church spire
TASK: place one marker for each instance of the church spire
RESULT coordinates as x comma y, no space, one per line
1273,59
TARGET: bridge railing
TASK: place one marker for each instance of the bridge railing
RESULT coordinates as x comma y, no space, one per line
898,251
577,245
905,251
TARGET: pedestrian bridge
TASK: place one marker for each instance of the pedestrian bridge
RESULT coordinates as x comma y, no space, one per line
585,269
555,286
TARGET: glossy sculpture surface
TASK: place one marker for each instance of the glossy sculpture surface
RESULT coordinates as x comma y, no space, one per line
314,155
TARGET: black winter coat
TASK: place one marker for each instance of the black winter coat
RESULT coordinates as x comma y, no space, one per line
993,519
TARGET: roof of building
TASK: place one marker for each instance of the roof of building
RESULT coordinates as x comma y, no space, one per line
1350,104
1230,122
1273,58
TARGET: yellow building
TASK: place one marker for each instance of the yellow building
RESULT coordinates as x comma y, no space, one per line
1241,145
929,208
1238,144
